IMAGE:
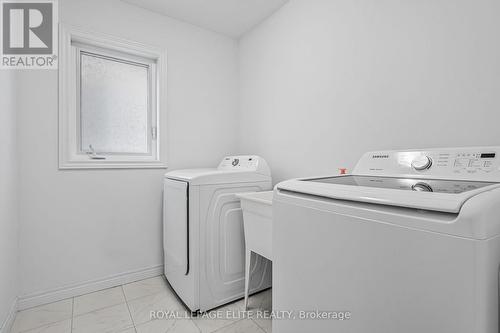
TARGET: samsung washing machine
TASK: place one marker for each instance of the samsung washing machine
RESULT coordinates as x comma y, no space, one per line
410,242
203,240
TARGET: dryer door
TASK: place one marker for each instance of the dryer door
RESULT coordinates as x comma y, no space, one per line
180,235
176,226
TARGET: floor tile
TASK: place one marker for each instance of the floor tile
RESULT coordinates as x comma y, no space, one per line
141,308
261,301
129,330
242,326
170,326
145,288
42,315
108,311
98,300
216,319
107,320
60,327
265,324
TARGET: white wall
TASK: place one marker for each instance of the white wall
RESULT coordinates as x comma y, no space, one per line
323,81
8,196
78,226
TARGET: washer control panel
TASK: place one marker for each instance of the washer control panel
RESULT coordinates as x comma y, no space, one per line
471,162
477,163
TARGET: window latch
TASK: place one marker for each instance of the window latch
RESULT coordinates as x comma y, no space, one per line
93,155
154,132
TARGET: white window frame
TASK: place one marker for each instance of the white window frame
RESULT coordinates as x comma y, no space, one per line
73,40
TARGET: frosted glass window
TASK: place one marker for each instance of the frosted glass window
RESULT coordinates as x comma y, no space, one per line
114,105
112,102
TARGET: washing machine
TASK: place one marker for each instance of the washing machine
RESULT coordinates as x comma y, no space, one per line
409,242
203,240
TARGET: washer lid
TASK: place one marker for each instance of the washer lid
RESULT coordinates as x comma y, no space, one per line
407,184
216,176
429,194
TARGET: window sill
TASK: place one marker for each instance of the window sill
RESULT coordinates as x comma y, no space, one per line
110,165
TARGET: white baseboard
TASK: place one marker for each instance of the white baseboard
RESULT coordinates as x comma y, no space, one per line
7,324
54,295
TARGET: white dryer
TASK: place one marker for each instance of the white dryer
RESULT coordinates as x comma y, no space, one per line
203,240
410,242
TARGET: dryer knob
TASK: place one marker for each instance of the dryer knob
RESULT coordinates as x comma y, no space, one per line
421,163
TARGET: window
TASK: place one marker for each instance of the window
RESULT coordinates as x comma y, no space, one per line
110,94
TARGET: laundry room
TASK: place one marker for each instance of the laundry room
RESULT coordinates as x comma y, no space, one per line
251,166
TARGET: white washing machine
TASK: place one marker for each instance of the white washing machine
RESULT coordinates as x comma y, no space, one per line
408,243
203,240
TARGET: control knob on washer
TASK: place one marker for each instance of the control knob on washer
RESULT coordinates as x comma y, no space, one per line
421,163
421,187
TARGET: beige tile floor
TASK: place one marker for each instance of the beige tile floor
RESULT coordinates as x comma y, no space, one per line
126,309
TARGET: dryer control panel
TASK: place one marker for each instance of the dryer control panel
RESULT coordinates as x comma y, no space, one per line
245,163
476,163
